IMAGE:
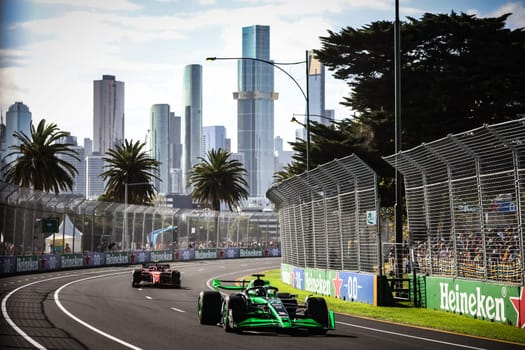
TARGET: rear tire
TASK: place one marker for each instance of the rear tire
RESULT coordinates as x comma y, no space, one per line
317,309
209,307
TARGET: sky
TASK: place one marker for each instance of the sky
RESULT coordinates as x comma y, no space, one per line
51,51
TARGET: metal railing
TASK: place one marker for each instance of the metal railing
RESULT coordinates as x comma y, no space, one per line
328,217
464,197
97,226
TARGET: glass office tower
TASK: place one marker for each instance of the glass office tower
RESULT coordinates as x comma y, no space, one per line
108,113
255,108
160,141
192,122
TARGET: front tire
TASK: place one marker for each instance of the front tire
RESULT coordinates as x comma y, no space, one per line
209,307
137,277
237,306
317,309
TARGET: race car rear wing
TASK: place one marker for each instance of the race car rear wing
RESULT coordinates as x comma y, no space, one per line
230,284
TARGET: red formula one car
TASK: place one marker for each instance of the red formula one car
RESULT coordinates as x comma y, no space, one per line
157,275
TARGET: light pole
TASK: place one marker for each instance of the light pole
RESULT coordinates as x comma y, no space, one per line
306,94
126,211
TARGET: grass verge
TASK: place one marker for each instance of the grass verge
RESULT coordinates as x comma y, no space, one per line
406,314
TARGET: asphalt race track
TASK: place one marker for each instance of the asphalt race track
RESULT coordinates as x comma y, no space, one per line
98,309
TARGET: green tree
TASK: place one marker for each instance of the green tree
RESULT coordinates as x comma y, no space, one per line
458,72
40,160
218,178
129,163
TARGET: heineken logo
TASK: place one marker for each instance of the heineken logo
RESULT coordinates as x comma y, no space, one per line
475,304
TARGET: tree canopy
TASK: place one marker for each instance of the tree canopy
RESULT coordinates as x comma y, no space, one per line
129,163
41,159
458,72
218,178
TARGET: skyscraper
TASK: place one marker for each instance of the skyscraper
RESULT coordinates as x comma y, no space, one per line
316,87
255,108
160,141
176,185
192,128
108,113
213,137
18,118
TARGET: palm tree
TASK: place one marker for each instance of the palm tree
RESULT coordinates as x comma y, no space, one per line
218,179
129,163
40,160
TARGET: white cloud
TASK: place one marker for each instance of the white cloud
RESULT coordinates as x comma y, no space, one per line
517,19
111,5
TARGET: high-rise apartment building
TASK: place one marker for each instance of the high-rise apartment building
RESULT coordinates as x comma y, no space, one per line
176,185
108,113
160,144
316,87
213,137
18,118
255,109
94,182
192,122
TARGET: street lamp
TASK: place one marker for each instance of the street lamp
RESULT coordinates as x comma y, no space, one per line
126,211
306,94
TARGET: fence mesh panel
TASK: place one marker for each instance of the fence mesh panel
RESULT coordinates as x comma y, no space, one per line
464,197
103,226
323,217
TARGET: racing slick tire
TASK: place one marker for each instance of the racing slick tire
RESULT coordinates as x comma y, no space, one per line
137,277
175,279
317,309
237,306
209,307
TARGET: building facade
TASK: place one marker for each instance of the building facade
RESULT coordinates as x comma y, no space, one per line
160,144
18,119
255,109
192,120
213,137
108,113
176,185
94,182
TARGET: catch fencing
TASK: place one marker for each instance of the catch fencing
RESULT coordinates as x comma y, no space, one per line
464,200
97,226
328,217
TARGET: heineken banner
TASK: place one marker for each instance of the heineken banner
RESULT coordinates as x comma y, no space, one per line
229,253
70,261
184,254
345,285
28,263
482,300
202,254
161,255
50,262
92,259
121,258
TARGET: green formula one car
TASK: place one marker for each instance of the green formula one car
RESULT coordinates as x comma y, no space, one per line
257,306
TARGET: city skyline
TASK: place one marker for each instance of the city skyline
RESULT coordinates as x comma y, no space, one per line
52,51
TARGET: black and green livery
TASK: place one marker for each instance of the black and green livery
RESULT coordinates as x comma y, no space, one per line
256,306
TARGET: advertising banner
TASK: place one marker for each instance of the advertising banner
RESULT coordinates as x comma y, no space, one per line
250,252
229,253
121,258
50,262
482,300
94,259
161,255
345,285
7,265
184,254
272,252
27,263
70,261
202,254
142,256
